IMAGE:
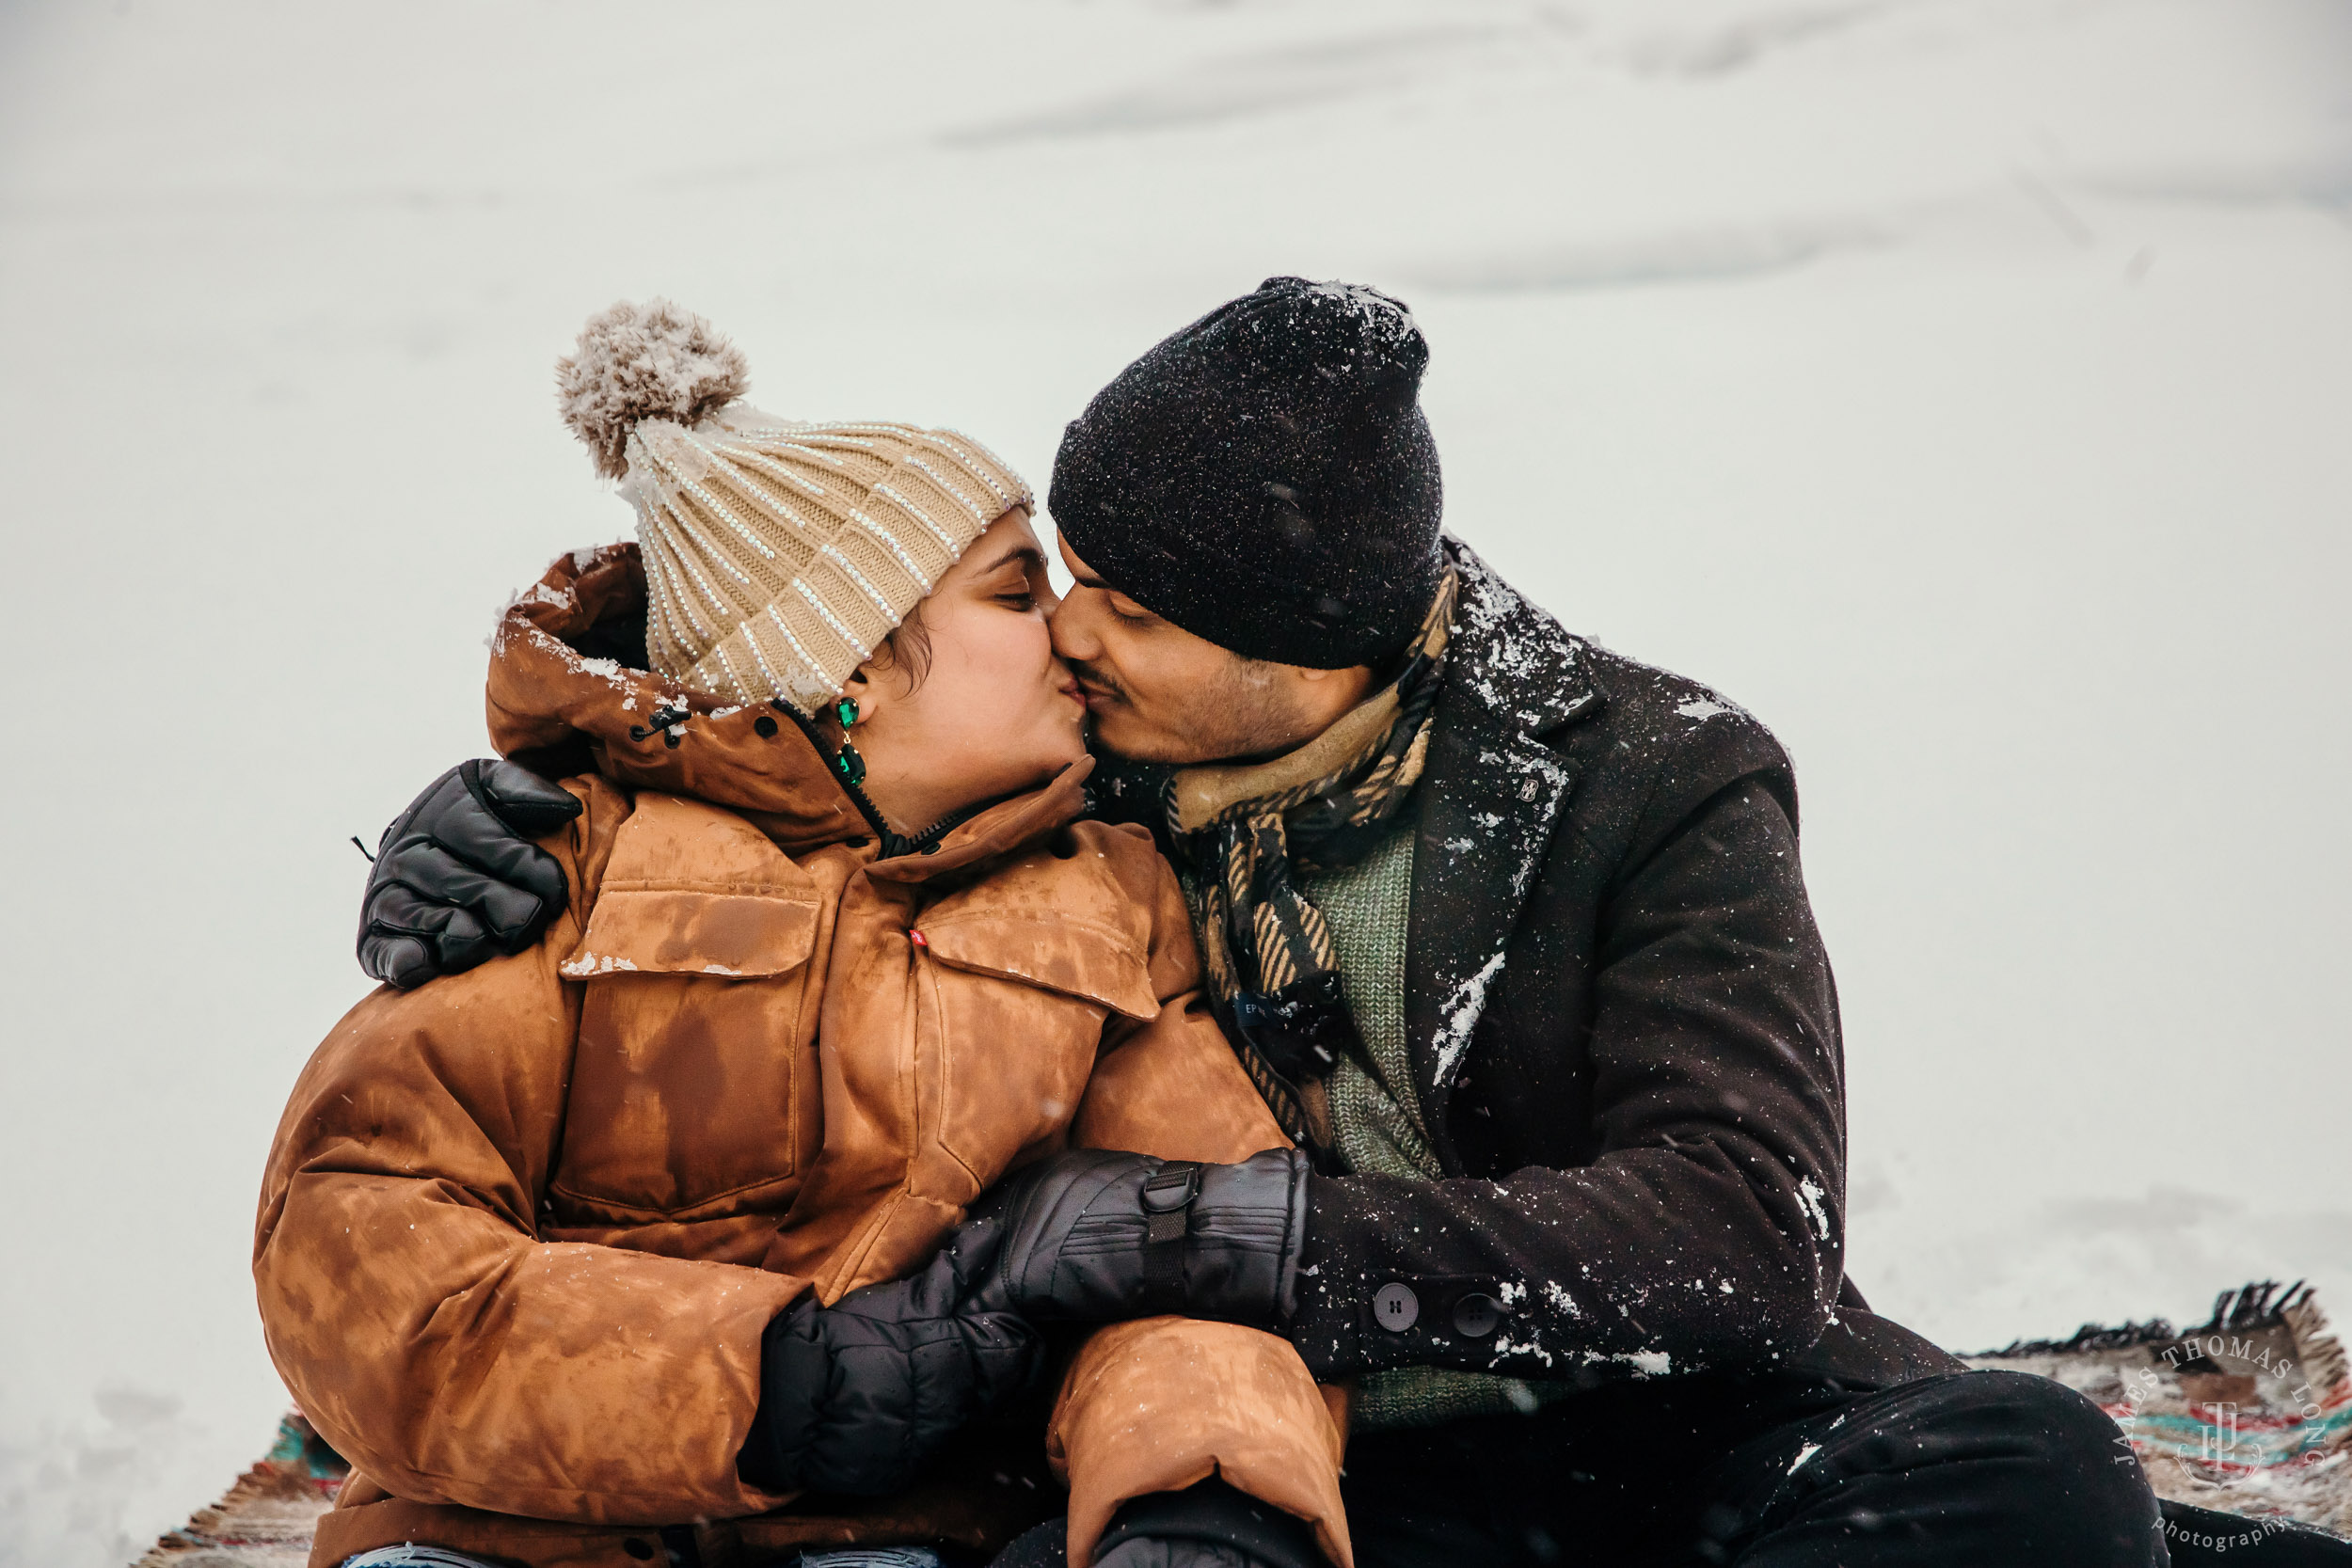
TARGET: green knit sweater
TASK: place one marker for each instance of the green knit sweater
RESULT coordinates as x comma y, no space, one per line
1375,1112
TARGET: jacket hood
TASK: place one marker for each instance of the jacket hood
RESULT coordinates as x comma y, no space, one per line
566,682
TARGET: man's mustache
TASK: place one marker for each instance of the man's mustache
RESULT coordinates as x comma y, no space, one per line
1100,680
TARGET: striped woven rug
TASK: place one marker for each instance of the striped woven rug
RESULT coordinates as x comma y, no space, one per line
2248,1412
266,1519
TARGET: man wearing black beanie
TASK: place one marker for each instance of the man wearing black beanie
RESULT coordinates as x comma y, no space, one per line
1512,934
1265,480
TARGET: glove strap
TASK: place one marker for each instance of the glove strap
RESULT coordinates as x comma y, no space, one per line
1168,1196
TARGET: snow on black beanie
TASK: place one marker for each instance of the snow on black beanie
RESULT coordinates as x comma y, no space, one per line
1265,478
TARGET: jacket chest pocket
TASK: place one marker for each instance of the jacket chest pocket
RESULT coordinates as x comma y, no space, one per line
1018,1006
694,1090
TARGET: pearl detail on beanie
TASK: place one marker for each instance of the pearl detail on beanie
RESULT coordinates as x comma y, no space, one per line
778,554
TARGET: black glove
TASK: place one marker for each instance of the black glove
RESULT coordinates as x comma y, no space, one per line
1209,1526
1097,1236
457,879
854,1397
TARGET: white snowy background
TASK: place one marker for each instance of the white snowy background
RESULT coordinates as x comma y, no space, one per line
1961,384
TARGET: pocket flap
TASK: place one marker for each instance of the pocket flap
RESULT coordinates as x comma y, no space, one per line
694,890
1075,958
671,932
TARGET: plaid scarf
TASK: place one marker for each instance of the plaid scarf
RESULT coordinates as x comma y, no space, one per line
1271,967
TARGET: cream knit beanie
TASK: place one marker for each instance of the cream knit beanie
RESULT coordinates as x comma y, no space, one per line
778,555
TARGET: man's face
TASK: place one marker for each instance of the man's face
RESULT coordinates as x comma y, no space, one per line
1159,693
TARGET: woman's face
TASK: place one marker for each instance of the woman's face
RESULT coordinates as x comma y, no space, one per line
994,713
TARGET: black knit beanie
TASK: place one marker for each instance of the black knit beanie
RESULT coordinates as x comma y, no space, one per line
1265,478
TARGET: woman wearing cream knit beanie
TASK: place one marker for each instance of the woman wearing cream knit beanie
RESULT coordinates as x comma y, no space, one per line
778,555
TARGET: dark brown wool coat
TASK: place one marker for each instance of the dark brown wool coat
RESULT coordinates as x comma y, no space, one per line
1624,1038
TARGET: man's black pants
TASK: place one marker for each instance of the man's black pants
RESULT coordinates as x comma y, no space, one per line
1973,1468
1970,1468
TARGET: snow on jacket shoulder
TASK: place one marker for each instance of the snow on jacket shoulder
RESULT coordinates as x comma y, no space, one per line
523,1228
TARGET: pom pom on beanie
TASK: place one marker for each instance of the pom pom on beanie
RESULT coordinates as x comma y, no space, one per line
637,363
777,553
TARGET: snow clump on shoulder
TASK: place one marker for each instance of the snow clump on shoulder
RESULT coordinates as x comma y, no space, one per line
649,361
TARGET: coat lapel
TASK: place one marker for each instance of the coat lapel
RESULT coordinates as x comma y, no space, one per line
1490,797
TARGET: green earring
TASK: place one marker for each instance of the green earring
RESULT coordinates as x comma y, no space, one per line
846,762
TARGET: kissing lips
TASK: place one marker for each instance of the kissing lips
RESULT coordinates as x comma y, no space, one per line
1098,695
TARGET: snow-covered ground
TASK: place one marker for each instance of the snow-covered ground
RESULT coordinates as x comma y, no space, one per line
1961,384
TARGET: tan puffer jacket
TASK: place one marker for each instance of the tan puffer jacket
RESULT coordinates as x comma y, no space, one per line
523,1228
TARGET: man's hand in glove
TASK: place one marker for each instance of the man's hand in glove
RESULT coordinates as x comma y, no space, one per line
457,879
1098,1237
857,1396
1208,1525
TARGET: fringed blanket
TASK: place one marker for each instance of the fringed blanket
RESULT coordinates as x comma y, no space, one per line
266,1518
2249,1414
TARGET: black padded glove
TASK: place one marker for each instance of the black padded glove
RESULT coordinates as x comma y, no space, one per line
857,1396
1212,1524
457,879
1092,1236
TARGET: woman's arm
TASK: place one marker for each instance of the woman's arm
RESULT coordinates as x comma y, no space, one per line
410,1306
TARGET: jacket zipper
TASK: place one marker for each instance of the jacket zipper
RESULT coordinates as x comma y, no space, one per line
893,845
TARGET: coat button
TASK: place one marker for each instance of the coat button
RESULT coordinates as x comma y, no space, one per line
1476,1316
1396,1307
636,1548
764,727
